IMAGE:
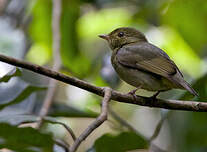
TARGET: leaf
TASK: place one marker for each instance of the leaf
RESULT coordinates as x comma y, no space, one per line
190,32
62,110
19,119
23,95
24,139
15,72
123,142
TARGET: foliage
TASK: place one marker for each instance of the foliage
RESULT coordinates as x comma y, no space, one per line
24,139
23,95
13,73
125,141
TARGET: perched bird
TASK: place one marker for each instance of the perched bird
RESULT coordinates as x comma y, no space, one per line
143,65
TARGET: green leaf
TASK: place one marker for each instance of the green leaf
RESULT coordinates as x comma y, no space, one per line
62,110
23,95
24,139
19,119
123,142
192,33
41,49
15,72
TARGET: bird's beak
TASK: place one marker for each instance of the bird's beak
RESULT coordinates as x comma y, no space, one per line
104,36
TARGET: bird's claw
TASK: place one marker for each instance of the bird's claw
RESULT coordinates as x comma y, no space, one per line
154,96
133,93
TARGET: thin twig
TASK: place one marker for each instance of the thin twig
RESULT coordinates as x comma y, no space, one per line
122,121
120,97
70,131
48,120
158,127
56,15
99,120
62,144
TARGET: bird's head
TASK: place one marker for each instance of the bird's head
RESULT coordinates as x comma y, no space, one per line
122,36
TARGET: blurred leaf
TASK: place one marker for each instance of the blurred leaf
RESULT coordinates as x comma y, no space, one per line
19,119
70,53
188,130
123,142
189,18
15,72
24,139
92,23
62,110
40,32
23,95
39,53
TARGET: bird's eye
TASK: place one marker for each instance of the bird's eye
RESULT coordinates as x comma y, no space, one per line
120,34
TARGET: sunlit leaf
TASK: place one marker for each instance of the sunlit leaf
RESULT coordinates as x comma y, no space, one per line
90,25
39,53
24,139
189,18
40,32
23,95
13,73
123,142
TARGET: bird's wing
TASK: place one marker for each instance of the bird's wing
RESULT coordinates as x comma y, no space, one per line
147,57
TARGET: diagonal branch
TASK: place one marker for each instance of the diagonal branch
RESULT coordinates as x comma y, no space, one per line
120,97
159,126
99,120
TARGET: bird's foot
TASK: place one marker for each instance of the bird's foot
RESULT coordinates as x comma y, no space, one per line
133,92
154,96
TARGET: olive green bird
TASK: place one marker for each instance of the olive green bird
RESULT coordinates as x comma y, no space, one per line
143,65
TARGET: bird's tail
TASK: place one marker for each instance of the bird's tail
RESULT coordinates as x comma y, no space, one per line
181,83
189,88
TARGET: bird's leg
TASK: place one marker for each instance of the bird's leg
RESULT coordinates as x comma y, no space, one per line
154,96
134,91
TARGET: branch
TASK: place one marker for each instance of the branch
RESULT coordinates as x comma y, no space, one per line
123,122
69,130
120,97
159,126
99,120
56,55
62,144
56,14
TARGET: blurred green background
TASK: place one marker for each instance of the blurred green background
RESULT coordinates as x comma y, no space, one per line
179,27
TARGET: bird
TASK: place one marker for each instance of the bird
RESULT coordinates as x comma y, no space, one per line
142,64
